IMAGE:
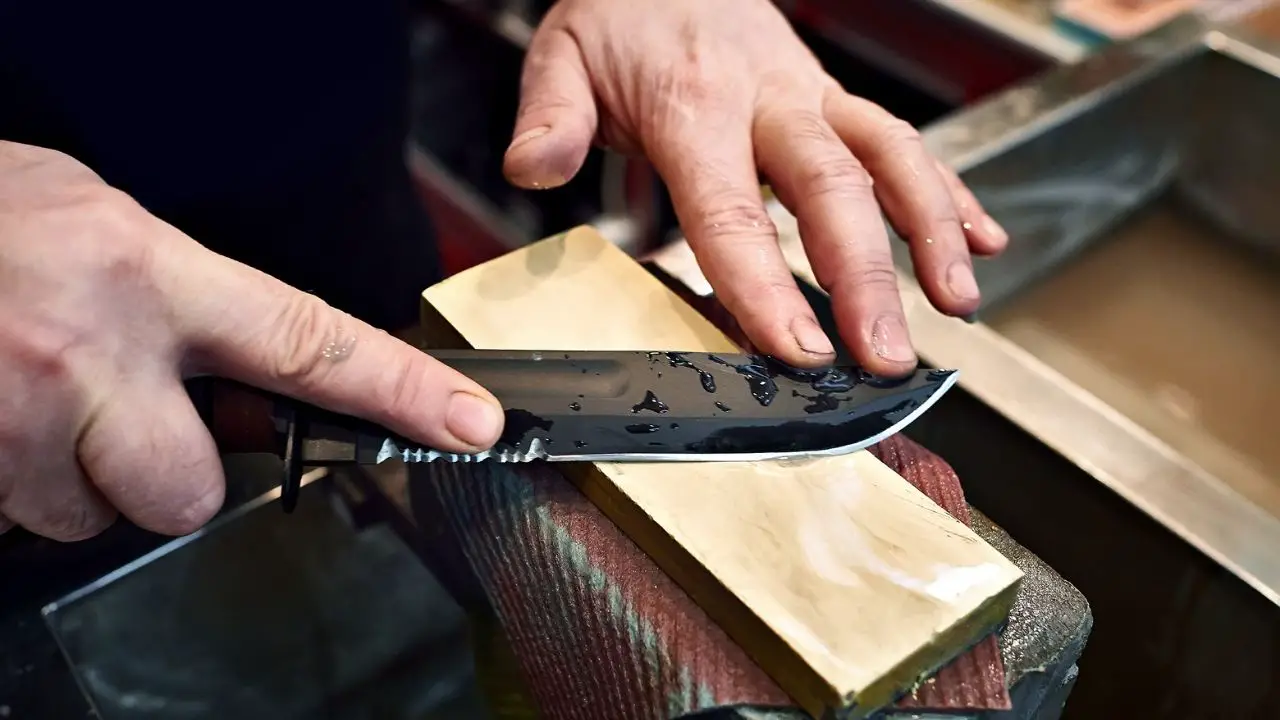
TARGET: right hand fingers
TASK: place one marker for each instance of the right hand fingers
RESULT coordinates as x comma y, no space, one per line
831,194
914,196
986,237
241,323
709,168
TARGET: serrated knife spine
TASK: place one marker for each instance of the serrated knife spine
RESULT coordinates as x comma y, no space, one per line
392,451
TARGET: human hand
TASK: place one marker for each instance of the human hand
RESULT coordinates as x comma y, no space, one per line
714,90
105,308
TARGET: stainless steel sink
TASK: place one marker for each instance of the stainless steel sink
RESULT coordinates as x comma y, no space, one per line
1134,322
1198,128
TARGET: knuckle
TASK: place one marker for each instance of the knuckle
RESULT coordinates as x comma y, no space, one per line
111,211
63,163
116,233
734,216
41,173
947,172
74,523
39,352
695,87
944,213
808,127
928,219
898,133
129,265
299,339
161,469
829,168
400,389
680,103
775,292
858,275
935,218
837,174
544,104
877,275
749,297
687,83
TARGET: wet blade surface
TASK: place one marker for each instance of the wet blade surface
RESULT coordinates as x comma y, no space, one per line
673,406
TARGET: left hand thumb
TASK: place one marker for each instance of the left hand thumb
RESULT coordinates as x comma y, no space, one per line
557,119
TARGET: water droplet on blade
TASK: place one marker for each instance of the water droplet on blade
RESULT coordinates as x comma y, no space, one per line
680,360
650,403
820,402
758,376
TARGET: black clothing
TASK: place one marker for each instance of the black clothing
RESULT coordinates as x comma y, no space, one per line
272,132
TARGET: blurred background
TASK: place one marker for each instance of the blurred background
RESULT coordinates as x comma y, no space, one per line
1116,416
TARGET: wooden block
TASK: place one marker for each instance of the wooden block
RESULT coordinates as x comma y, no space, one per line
842,581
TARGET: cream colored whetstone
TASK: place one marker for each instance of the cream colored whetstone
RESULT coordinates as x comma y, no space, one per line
843,581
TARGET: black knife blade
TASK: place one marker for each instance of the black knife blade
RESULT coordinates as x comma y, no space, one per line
648,406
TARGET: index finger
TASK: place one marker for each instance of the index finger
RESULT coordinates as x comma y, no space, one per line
243,324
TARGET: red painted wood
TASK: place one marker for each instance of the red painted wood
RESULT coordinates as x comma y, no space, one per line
462,241
953,51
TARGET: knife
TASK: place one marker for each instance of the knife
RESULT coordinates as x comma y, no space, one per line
639,406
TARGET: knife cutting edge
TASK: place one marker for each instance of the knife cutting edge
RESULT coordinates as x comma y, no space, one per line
637,406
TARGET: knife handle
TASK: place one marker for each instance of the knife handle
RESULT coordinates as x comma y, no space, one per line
311,436
243,418
295,430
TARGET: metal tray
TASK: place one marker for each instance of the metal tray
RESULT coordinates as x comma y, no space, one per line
259,615
1131,325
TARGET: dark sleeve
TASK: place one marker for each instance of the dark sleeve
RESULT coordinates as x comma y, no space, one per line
270,132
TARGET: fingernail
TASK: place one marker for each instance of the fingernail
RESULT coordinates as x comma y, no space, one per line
961,281
890,340
528,135
810,336
993,229
472,419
